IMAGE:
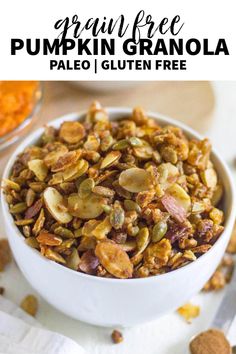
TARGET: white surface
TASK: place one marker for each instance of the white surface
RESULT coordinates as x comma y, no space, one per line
20,333
170,334
108,302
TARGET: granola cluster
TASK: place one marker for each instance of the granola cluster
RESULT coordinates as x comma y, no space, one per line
117,199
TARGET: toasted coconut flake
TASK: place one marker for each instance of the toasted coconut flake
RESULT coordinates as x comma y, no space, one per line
135,180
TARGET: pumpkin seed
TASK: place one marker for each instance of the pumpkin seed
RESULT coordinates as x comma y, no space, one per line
142,239
11,185
24,222
117,217
121,145
32,242
131,205
63,232
73,260
30,197
134,141
86,187
159,230
39,223
18,208
110,159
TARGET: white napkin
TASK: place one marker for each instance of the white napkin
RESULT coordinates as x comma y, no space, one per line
20,333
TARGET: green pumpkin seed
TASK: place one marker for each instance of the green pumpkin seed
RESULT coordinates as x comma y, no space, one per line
131,205
106,143
86,187
32,242
26,230
121,145
73,260
142,239
24,222
134,141
106,208
18,208
159,231
11,185
63,232
117,217
30,197
78,233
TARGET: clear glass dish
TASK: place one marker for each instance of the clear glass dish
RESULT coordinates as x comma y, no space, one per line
18,132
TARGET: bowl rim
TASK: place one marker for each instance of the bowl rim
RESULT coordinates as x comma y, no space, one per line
162,119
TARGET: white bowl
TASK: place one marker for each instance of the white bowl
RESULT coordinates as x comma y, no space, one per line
117,302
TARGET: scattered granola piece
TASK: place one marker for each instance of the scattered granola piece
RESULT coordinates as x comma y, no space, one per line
189,311
5,254
30,305
117,336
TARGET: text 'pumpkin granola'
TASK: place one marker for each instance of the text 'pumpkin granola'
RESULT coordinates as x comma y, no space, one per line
117,199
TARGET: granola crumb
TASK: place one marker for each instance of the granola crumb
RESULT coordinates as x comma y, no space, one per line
117,336
30,305
189,311
5,254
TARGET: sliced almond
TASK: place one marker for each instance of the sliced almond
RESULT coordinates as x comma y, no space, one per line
135,180
72,132
143,152
181,196
168,174
53,199
114,259
52,157
66,160
85,208
39,168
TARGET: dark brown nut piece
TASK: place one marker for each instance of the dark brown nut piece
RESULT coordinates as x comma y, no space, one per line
117,336
89,262
72,132
114,259
30,305
5,254
34,209
175,209
2,290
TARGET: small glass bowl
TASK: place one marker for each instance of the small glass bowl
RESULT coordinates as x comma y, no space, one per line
18,132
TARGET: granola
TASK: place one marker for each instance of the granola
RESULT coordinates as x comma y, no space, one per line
117,199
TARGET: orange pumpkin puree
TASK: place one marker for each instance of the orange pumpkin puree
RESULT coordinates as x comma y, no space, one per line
17,99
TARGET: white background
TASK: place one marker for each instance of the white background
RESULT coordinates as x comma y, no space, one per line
31,19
